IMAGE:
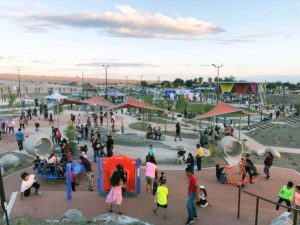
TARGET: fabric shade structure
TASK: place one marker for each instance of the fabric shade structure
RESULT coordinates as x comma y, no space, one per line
221,109
133,103
97,100
115,93
56,97
69,102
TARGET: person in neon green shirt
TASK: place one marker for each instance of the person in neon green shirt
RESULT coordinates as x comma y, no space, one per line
286,195
161,197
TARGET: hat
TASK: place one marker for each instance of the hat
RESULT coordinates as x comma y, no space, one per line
202,187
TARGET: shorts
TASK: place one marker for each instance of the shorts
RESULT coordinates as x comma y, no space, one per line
149,180
162,206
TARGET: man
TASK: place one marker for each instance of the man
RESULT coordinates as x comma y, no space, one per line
109,146
28,182
199,156
286,195
20,138
178,130
11,126
193,195
151,150
268,163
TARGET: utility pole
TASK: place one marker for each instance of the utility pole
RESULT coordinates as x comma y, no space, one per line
105,67
218,80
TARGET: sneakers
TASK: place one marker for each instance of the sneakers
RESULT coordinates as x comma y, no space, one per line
189,221
38,193
154,212
196,218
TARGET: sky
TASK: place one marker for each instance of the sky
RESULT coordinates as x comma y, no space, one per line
255,40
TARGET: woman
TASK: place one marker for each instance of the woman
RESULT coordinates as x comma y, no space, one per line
177,135
190,162
151,173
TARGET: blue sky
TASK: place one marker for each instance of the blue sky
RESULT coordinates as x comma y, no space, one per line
255,40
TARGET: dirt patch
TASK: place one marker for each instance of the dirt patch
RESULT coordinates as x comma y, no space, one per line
278,135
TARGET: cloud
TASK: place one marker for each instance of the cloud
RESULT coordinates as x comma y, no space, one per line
127,22
19,5
114,64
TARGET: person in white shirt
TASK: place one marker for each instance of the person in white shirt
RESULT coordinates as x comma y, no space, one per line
28,182
36,120
52,159
11,126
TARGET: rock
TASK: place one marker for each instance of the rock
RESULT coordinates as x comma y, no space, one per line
274,152
114,219
73,216
9,161
283,219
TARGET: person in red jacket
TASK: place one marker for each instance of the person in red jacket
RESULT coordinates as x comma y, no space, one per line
268,163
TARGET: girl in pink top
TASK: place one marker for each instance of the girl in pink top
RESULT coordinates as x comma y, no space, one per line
151,172
114,197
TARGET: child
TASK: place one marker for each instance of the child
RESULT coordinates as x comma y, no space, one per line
286,195
297,198
70,156
161,197
36,162
73,179
155,182
90,177
114,196
202,197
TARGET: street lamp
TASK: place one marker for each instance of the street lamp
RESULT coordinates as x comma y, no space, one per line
218,74
105,67
19,74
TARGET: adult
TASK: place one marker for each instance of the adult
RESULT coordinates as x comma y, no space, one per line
11,126
268,162
22,121
20,139
151,150
158,134
28,182
199,156
204,138
51,119
193,196
178,131
109,146
29,112
190,162
96,148
52,159
151,173
149,132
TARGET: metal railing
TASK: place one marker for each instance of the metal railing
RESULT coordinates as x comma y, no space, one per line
258,198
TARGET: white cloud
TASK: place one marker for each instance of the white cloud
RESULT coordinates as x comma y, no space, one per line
128,22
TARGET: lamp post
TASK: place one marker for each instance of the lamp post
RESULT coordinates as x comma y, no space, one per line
126,81
82,84
218,81
105,67
19,75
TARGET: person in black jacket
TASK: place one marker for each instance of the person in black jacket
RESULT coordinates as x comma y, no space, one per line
177,135
109,146
268,163
190,162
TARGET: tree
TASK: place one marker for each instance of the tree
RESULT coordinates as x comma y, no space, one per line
11,99
166,84
178,82
189,83
200,80
229,79
70,133
144,83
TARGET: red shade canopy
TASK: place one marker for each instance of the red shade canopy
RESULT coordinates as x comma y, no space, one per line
221,109
133,103
69,102
97,100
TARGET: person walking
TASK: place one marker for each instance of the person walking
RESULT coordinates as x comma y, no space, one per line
22,122
36,120
151,173
20,138
11,126
190,162
193,196
96,148
109,146
178,131
114,197
268,163
286,195
199,156
51,120
161,197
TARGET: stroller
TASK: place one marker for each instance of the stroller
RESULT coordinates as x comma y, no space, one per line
180,155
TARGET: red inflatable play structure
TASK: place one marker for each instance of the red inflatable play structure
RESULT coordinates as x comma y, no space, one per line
106,167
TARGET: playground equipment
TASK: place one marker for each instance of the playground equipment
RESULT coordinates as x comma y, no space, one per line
38,144
231,146
106,167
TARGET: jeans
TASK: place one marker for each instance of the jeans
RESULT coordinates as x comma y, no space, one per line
287,202
11,129
20,144
190,205
36,185
96,154
267,170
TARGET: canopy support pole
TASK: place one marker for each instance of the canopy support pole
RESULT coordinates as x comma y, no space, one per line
240,127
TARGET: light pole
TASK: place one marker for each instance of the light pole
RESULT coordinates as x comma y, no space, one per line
218,81
19,74
105,67
82,84
126,81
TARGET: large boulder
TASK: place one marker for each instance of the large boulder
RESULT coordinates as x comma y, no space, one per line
9,161
115,219
73,216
